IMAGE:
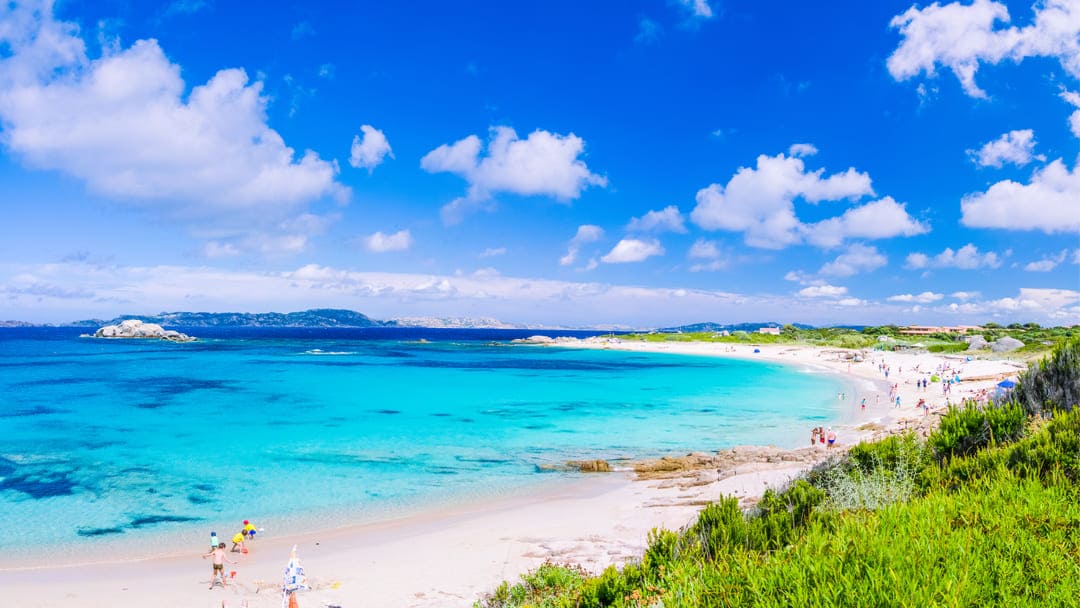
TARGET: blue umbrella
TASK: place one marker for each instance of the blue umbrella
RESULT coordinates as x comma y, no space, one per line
1006,384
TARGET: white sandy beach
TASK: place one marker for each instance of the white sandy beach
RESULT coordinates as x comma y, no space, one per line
450,558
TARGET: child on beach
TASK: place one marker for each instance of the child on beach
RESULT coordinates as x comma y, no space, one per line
238,543
219,565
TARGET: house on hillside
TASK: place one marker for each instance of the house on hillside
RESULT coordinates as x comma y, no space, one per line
772,331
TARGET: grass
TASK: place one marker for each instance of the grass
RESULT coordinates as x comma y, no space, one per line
985,513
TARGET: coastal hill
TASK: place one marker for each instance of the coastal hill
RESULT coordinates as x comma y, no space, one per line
319,317
717,327
316,318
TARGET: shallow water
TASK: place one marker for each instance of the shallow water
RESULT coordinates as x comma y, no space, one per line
151,442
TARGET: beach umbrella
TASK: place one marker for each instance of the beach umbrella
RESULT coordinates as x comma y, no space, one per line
295,580
1006,384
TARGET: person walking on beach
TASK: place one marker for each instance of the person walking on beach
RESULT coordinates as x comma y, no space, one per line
813,435
863,404
219,564
831,437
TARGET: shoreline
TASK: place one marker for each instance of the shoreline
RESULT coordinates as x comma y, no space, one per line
466,550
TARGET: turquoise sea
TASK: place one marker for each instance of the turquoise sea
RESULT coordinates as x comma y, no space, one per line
153,444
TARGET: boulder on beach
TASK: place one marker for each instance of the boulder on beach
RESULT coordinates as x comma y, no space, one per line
1006,344
976,342
134,328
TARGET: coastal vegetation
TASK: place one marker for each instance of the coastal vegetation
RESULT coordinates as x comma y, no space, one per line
986,511
1037,340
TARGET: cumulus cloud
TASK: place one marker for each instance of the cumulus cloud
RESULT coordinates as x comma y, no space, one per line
878,219
1049,202
961,37
1016,147
1048,263
382,243
926,297
1054,302
632,250
1073,98
858,258
823,291
123,124
760,203
704,249
802,150
667,219
967,257
370,150
586,233
543,164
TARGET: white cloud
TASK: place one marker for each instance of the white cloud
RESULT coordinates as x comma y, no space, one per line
960,37
1052,301
858,258
632,250
698,8
369,151
586,233
704,249
1016,147
1073,98
1076,257
878,219
964,295
1048,263
491,252
926,297
760,203
802,150
966,258
543,164
123,124
214,249
823,291
1049,202
667,219
712,266
382,243
851,302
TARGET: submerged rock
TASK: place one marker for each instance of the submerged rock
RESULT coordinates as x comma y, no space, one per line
134,328
591,466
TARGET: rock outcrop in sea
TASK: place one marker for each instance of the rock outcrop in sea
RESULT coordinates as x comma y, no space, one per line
133,328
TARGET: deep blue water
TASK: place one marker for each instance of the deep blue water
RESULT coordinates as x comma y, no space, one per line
119,440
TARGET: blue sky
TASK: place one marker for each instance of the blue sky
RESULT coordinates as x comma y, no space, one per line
637,163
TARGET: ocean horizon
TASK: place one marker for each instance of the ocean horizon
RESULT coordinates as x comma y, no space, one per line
153,444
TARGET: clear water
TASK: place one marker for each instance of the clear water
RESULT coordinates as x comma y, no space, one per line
147,443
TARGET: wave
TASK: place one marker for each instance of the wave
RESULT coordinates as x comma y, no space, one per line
321,352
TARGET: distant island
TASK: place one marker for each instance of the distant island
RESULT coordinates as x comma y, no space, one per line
314,318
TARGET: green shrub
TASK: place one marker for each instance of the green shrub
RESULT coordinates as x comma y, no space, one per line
954,347
874,474
1052,384
969,427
